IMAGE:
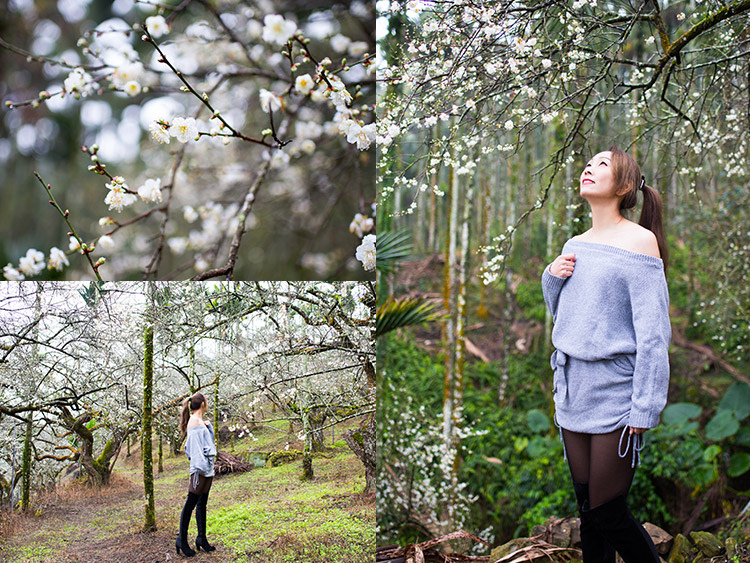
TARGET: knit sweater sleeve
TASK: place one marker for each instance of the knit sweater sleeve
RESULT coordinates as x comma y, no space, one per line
649,300
195,450
209,445
551,287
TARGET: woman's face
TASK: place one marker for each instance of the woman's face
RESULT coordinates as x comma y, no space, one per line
596,178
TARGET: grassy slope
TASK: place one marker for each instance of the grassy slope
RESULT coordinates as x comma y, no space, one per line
263,516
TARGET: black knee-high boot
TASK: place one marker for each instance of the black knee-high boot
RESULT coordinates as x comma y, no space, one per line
614,521
595,547
182,543
200,518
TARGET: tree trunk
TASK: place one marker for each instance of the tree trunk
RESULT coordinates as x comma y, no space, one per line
317,419
161,466
363,443
307,468
98,469
216,408
26,466
149,524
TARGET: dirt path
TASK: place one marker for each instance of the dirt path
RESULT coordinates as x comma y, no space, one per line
263,516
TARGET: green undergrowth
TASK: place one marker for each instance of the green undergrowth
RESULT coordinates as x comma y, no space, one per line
266,515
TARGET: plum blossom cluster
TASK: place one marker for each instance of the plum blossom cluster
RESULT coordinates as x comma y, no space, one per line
421,462
366,252
32,264
291,78
119,195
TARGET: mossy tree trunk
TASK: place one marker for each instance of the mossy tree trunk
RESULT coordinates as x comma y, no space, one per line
363,443
161,453
149,523
98,469
216,408
26,468
318,417
307,468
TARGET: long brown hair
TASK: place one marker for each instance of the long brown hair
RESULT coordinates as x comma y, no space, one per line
626,175
190,404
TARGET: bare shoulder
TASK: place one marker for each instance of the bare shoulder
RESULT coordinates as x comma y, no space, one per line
583,237
643,241
193,422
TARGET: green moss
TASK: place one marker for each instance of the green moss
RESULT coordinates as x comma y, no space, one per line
105,455
357,436
28,553
284,456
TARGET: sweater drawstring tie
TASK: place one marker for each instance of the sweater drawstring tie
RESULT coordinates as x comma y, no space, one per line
639,442
559,361
565,453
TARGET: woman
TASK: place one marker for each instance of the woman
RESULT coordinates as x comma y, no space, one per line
607,293
200,449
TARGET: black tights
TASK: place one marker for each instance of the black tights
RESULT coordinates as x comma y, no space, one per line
594,459
199,503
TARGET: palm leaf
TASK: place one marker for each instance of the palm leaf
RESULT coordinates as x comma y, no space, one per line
393,246
407,311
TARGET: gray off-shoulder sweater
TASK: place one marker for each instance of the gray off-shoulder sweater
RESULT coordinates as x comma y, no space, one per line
200,449
611,334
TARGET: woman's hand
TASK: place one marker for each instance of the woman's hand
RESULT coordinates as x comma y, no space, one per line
563,266
637,430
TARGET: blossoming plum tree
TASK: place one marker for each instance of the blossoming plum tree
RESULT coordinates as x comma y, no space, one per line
71,356
272,118
487,113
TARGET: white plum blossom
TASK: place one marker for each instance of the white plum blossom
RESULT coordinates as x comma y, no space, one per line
307,146
159,133
339,94
12,274
128,72
132,88
365,252
151,190
79,82
178,245
118,197
278,158
361,224
546,63
340,43
106,243
509,124
254,29
189,214
358,48
650,40
363,136
269,101
344,125
33,263
183,129
157,26
57,259
304,84
74,244
278,30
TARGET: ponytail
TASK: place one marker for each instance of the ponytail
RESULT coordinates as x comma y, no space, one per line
190,404
651,219
185,415
626,175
